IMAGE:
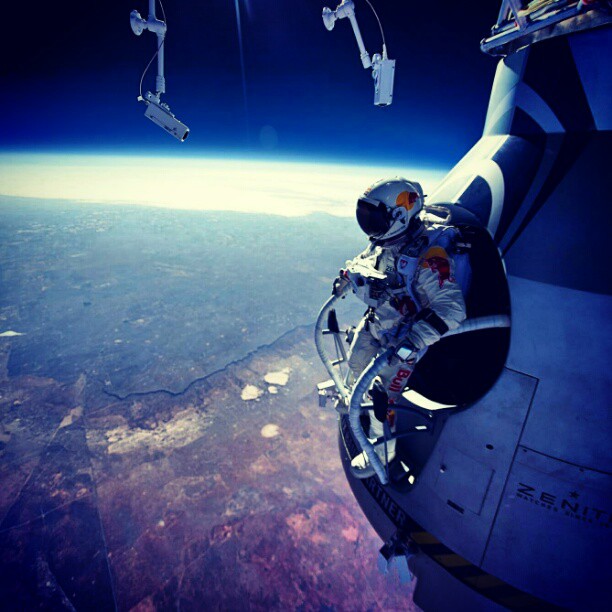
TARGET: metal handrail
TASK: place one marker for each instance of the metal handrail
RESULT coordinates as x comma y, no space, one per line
354,399
364,382
323,355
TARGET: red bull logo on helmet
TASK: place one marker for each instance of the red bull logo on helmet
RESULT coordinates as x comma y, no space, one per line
406,199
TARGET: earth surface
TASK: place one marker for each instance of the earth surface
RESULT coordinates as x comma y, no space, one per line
161,444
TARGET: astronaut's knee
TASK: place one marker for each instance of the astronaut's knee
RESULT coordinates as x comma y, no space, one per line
357,362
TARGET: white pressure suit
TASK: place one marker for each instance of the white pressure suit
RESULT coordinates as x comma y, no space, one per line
413,295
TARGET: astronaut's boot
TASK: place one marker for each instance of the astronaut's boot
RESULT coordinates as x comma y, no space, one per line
377,431
360,465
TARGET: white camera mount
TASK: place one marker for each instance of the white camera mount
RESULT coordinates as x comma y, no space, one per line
159,28
157,111
347,9
383,68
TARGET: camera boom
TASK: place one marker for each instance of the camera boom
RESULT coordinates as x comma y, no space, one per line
157,111
383,68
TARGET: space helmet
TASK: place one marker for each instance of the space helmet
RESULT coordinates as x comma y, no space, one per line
388,210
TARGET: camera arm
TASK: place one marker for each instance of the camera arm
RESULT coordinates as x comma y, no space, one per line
347,9
383,68
158,27
156,110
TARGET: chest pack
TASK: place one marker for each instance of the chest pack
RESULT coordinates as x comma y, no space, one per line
437,234
379,275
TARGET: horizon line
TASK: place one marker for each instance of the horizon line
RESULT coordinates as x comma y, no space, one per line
306,157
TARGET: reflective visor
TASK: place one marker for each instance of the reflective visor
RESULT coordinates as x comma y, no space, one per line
373,217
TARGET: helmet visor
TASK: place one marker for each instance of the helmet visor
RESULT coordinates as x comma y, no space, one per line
373,217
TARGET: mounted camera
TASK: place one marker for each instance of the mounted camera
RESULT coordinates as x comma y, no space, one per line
157,111
383,68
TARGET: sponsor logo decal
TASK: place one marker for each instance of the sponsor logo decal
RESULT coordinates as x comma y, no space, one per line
391,509
436,259
571,504
406,199
399,380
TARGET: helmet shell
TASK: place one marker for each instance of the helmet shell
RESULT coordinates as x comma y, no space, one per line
387,207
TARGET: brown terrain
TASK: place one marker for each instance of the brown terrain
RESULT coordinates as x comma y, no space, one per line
202,499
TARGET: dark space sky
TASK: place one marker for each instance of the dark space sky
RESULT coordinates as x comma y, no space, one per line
70,72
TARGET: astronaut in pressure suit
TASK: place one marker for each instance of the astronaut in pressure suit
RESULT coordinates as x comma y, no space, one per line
406,277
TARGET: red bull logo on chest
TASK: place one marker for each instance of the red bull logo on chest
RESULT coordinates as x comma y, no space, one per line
437,260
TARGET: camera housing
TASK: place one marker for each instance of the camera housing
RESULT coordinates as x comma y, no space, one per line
159,113
383,73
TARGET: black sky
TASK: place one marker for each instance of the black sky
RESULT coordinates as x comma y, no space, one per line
70,76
